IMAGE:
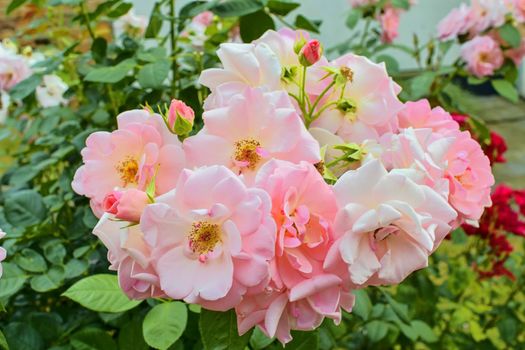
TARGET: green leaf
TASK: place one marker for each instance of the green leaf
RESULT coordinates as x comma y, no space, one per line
476,81
164,324
477,332
259,340
363,305
152,75
506,89
75,268
111,75
304,340
13,5
155,22
152,55
420,86
193,8
401,4
401,310
120,10
51,280
353,18
391,63
54,251
425,332
219,331
510,34
304,23
12,280
236,8
130,336
92,339
99,49
376,330
281,7
30,260
254,25
21,336
3,342
409,331
25,87
100,293
182,126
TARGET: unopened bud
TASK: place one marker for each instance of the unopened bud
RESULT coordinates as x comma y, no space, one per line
180,117
126,205
310,53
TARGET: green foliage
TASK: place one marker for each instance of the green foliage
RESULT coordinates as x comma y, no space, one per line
164,324
219,331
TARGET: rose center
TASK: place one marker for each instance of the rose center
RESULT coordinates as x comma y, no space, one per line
204,236
246,153
128,169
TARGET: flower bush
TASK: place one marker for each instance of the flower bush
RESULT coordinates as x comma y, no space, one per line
247,190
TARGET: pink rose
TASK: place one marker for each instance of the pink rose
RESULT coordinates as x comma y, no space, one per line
129,254
483,56
13,69
486,14
262,126
310,53
212,239
518,7
126,205
178,109
420,114
457,22
204,18
387,224
389,21
141,148
301,293
516,54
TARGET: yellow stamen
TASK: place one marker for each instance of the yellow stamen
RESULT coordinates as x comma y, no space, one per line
128,169
204,236
246,151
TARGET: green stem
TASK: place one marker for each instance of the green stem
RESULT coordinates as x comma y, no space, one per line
316,115
173,34
86,19
316,102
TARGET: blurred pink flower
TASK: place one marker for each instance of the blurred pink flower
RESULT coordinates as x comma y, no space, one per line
420,114
457,22
486,14
204,18
387,224
130,157
483,56
13,69
389,21
129,254
212,239
263,126
301,294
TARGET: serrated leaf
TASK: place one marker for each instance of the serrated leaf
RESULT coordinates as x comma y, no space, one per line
236,8
111,75
100,293
152,75
510,34
164,324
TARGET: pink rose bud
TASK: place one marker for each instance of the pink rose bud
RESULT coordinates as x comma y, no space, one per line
126,205
310,53
179,109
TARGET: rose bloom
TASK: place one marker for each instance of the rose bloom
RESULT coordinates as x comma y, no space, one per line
518,7
483,56
51,92
486,14
13,69
389,21
387,224
212,238
142,148
126,205
263,126
419,114
130,256
457,22
282,43
301,293
371,101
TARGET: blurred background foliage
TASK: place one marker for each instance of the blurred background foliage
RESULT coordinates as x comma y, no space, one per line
456,303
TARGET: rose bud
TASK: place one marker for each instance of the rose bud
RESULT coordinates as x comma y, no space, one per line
180,117
310,53
126,205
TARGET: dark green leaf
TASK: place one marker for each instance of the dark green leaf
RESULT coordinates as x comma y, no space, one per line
21,336
130,336
409,331
111,74
92,339
120,10
100,293
99,49
282,7
30,260
51,280
425,332
259,340
304,23
510,34
164,324
307,340
12,280
219,331
401,310
155,22
25,87
376,330
24,208
75,268
152,75
54,251
254,25
236,8
13,5
3,342
506,89
193,8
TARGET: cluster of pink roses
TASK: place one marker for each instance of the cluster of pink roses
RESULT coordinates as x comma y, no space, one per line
388,16
483,49
308,179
